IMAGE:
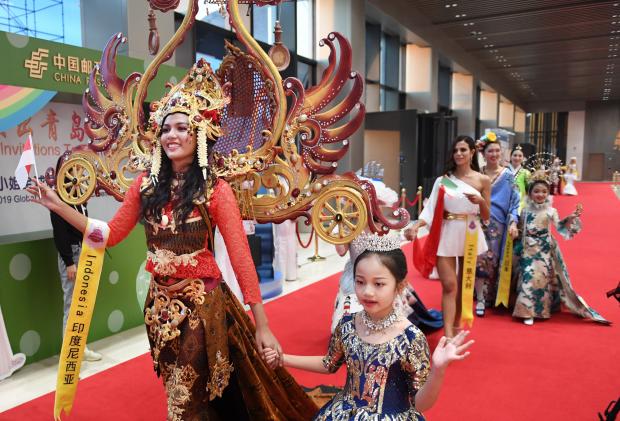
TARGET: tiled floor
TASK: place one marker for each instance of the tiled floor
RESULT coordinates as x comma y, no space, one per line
39,378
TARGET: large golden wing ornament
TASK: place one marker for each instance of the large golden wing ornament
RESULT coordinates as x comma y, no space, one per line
280,160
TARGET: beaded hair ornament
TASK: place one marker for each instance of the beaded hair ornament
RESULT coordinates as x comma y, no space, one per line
201,97
373,242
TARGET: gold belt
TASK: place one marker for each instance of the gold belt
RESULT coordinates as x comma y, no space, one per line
454,216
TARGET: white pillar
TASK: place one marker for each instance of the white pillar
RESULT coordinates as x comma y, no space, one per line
463,100
421,81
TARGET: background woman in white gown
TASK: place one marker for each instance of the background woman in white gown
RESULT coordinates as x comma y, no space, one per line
570,176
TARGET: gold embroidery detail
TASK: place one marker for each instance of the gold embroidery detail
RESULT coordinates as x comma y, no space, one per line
220,374
167,312
193,322
179,383
166,261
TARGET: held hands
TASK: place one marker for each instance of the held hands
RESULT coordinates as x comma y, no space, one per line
267,345
449,350
48,197
272,358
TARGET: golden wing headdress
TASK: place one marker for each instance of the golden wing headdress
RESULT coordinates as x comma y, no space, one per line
287,155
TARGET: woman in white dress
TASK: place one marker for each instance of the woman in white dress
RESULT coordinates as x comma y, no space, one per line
463,194
570,176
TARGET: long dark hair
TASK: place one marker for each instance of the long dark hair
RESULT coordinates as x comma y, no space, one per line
451,165
155,198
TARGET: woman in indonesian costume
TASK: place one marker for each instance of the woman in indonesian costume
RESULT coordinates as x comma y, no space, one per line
503,223
203,343
458,200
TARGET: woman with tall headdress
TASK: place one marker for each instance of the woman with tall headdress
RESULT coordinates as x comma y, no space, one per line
203,343
503,223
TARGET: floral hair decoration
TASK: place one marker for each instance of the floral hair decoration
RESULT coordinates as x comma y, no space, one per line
486,140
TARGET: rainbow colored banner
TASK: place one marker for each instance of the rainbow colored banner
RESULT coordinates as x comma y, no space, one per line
18,104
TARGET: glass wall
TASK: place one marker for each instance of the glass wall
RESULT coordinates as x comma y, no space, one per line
296,18
444,87
384,70
53,20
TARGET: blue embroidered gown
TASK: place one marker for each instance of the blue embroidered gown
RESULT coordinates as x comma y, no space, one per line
382,379
504,210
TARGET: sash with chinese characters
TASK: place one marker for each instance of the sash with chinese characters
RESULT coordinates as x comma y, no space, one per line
80,314
469,270
503,288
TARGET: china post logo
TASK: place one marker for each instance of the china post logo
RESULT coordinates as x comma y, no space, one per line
37,63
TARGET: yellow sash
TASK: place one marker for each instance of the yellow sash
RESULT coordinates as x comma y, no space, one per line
503,289
469,271
80,314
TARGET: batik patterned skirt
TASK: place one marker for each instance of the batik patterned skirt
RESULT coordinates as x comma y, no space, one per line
203,347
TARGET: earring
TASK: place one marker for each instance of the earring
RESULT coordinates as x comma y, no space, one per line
203,152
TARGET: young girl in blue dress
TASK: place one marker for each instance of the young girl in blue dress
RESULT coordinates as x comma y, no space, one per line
389,372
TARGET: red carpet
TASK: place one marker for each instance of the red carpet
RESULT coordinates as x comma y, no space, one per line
561,369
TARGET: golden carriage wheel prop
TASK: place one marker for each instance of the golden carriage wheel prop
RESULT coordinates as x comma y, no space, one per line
339,215
76,180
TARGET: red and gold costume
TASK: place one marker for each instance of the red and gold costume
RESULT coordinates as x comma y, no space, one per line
202,341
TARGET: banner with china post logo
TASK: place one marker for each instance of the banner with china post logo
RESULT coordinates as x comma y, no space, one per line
56,128
53,66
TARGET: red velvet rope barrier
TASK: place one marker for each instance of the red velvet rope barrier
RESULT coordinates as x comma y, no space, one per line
409,203
299,238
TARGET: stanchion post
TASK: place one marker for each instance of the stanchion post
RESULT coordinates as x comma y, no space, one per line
419,194
403,197
317,257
